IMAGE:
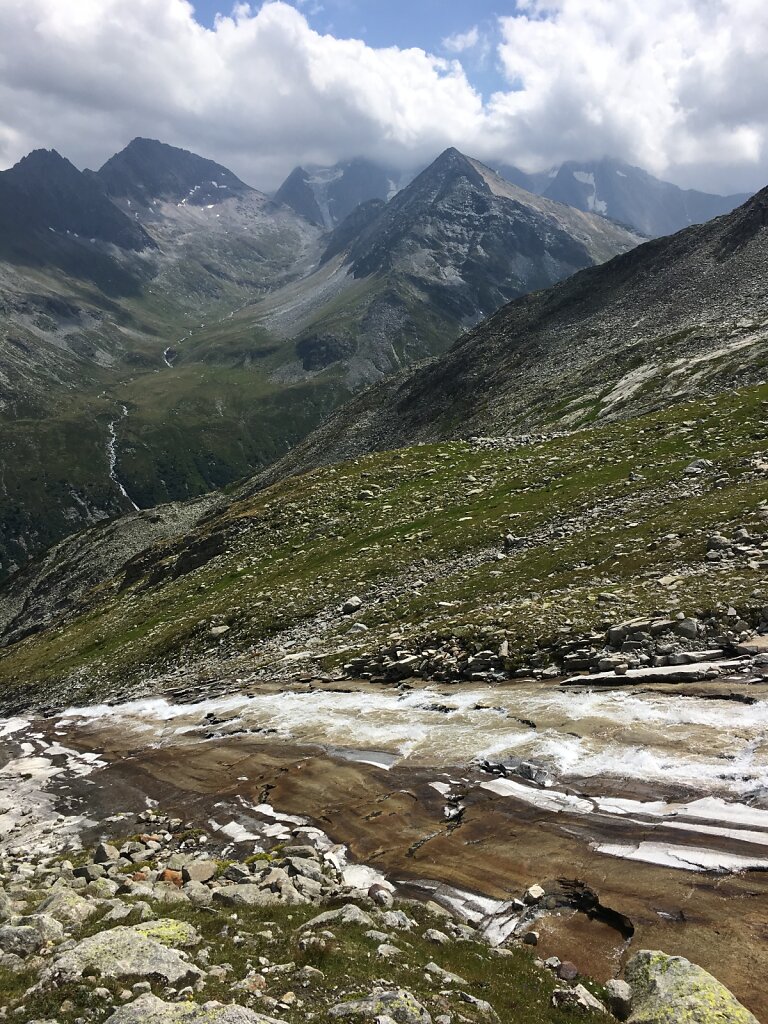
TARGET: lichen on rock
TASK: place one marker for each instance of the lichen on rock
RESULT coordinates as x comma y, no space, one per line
671,990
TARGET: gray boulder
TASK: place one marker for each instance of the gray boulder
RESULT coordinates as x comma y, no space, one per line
21,940
398,1004
67,907
667,989
148,1009
122,953
350,914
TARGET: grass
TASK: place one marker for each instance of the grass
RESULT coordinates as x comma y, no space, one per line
519,991
596,507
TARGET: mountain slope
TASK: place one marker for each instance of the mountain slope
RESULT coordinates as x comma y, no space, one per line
674,318
520,547
627,194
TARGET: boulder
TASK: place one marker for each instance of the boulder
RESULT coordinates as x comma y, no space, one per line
667,989
148,1009
350,914
122,953
398,1004
67,907
21,940
177,934
250,895
199,871
106,853
619,996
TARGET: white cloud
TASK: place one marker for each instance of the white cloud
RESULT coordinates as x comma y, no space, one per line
261,91
677,86
462,40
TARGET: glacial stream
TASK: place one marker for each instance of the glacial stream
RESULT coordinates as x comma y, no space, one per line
656,799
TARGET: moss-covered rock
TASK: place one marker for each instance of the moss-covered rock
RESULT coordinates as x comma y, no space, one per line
398,1005
178,934
122,953
672,990
150,1010
68,907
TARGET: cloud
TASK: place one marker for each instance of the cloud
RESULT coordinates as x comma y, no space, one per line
677,86
462,40
260,91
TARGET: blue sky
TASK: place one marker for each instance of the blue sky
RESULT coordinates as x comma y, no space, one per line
403,23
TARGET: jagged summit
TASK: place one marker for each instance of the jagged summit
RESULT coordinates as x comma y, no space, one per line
44,193
148,170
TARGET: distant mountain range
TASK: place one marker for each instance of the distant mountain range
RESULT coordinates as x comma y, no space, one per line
165,328
611,188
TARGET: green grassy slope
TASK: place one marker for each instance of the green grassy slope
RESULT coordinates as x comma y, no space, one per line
417,533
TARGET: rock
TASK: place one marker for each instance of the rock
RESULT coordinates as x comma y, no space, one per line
106,853
670,988
246,896
351,605
350,914
580,998
533,894
199,871
619,996
388,951
433,935
67,907
686,628
170,932
122,953
444,977
306,868
398,1004
48,927
199,895
148,1009
397,919
698,467
21,940
482,1006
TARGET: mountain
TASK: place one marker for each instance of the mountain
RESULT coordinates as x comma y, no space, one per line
625,194
243,326
674,319
52,214
147,171
325,196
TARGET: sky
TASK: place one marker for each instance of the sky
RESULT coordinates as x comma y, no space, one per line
679,87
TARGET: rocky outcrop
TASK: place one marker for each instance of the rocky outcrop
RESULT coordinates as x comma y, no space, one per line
670,989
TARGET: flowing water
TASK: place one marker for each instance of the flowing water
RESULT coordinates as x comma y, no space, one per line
655,798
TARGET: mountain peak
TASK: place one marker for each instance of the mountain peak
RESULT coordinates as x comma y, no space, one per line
148,170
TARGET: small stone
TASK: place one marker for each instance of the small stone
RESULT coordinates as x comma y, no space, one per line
534,894
567,971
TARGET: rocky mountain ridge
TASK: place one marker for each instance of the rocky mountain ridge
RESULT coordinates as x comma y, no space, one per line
671,319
